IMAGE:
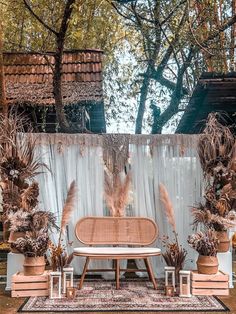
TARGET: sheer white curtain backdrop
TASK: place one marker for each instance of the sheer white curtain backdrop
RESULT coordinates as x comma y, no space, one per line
168,159
173,161
73,157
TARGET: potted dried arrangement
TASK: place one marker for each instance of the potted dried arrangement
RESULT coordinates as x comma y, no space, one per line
206,244
60,257
174,254
36,242
217,154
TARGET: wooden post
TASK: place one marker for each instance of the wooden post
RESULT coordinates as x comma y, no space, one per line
3,101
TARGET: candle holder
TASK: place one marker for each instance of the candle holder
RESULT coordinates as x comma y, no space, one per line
55,285
70,293
184,283
170,272
67,278
169,291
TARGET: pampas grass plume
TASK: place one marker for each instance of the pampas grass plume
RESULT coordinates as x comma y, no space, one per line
169,210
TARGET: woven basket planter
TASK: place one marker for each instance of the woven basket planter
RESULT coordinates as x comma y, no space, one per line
207,265
34,266
224,241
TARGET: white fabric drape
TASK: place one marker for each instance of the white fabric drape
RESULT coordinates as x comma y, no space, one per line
173,161
85,166
170,159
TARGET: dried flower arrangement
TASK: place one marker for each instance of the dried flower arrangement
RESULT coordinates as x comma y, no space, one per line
33,244
18,166
19,220
37,220
59,253
217,154
205,243
174,254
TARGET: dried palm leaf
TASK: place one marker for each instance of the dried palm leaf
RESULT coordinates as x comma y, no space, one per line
169,210
29,197
208,219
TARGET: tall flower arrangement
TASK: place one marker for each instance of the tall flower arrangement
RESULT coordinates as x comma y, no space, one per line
217,154
18,167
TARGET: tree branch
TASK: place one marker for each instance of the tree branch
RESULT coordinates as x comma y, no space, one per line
122,14
66,18
221,29
27,5
176,96
172,12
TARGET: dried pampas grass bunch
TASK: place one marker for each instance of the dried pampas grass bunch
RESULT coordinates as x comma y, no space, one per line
68,207
174,254
116,193
59,256
167,204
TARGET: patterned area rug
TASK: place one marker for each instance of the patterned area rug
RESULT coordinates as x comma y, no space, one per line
98,296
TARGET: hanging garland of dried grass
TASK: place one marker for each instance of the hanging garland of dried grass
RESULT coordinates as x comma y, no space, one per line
116,192
116,181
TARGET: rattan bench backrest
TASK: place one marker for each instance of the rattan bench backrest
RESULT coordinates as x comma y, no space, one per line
116,231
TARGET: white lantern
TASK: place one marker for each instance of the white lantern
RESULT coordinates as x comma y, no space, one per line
55,285
184,283
67,278
170,273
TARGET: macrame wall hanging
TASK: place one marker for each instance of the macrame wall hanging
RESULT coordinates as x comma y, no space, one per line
117,176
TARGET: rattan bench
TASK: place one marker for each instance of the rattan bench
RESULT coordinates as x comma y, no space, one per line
117,232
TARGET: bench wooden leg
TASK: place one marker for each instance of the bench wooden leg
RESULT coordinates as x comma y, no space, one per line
84,272
117,274
150,272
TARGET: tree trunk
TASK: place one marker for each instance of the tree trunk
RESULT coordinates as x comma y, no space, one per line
60,41
142,101
57,73
3,101
59,107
